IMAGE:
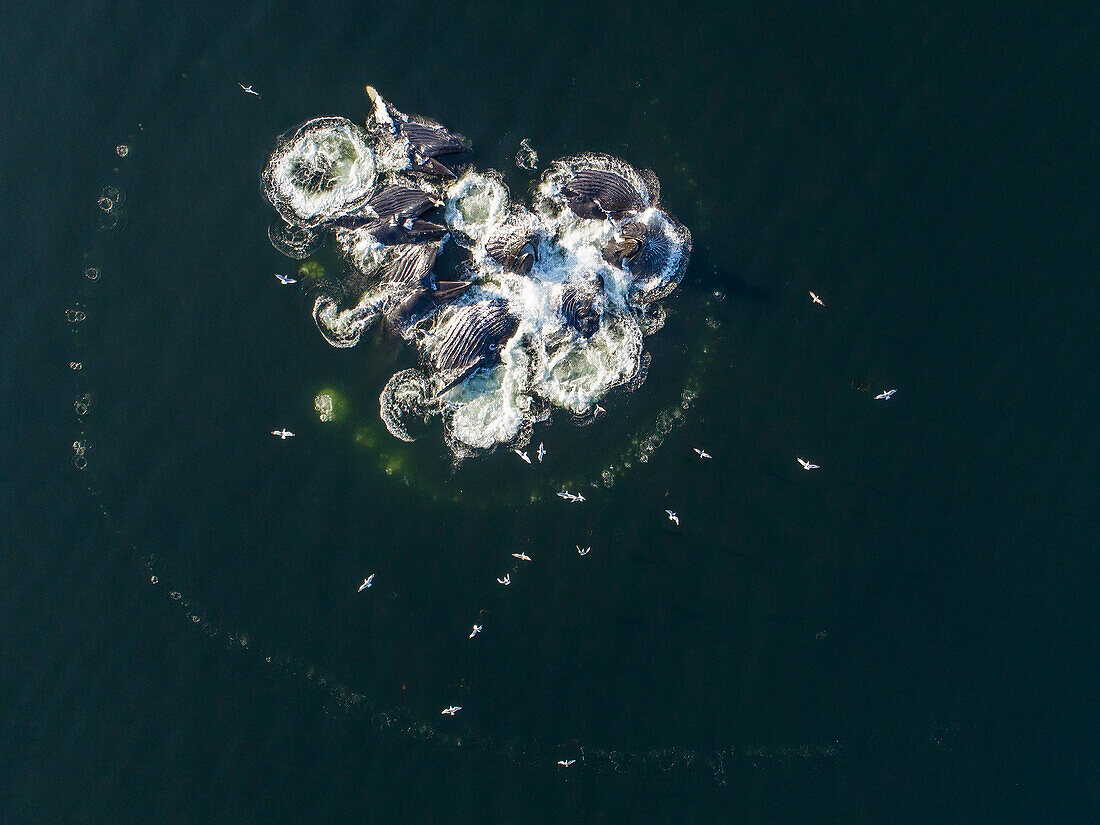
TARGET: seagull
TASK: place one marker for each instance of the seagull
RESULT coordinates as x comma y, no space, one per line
885,396
807,465
285,279
451,711
507,580
367,582
599,410
522,455
249,89
522,556
565,763
541,453
565,495
816,300
283,434
675,519
475,631
583,552
702,453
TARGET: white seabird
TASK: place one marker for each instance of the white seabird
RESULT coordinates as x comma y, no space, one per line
367,582
283,434
815,299
583,552
675,519
702,453
522,454
807,465
541,453
450,711
248,89
885,396
507,580
522,556
565,763
475,631
285,279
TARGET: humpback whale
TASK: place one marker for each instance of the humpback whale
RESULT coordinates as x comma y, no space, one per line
422,139
409,264
600,187
395,202
582,303
472,338
641,249
421,303
409,231
514,246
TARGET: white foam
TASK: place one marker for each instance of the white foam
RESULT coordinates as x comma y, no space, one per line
343,328
330,167
338,154
475,205
545,363
406,397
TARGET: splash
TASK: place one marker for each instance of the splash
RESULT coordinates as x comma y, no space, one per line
548,307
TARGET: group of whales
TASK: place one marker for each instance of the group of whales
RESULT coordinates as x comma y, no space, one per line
595,247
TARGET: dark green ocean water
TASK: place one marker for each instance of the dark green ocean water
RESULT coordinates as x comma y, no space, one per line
903,635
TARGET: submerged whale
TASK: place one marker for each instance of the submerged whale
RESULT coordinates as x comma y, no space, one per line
471,339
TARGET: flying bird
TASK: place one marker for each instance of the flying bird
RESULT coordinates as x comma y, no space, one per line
702,453
885,396
507,580
475,631
367,582
522,455
541,453
816,300
807,465
522,556
285,279
283,434
249,89
599,410
583,552
675,519
565,495
451,711
565,763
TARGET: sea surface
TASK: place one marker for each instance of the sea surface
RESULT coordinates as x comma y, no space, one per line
903,635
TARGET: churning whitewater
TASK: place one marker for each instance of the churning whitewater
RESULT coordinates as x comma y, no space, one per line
549,305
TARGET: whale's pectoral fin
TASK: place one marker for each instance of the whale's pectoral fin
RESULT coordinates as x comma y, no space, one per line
463,375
